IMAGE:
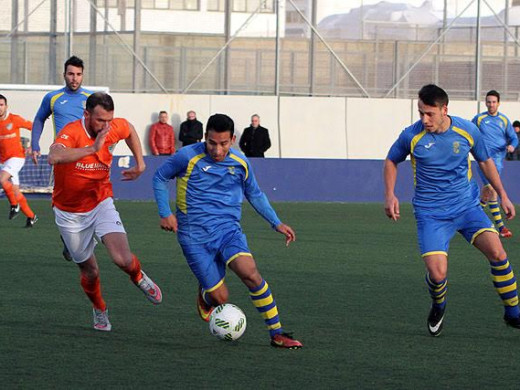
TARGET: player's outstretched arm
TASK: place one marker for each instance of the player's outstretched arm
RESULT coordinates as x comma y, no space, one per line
134,144
288,232
490,171
391,201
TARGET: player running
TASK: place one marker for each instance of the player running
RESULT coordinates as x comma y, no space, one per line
447,199
12,156
65,105
500,138
82,198
211,181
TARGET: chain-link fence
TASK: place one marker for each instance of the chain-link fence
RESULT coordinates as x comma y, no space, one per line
37,36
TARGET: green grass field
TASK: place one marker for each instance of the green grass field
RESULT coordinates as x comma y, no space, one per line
351,288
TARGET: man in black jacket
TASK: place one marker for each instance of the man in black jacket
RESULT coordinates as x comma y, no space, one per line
255,139
191,130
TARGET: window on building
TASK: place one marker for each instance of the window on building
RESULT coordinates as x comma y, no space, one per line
242,5
188,5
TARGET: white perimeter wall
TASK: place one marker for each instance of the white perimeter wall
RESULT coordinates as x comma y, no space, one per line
306,127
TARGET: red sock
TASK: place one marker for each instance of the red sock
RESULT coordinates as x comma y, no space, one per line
9,192
93,290
134,270
25,206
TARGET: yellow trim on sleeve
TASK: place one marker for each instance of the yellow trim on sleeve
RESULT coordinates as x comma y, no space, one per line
479,119
414,141
465,134
52,103
242,162
182,183
504,119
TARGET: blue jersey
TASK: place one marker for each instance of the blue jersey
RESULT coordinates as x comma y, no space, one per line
444,185
497,132
209,193
64,105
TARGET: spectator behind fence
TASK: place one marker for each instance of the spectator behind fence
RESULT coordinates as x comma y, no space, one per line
162,137
255,140
515,155
191,129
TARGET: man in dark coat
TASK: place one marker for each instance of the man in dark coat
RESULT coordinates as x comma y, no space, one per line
255,139
191,130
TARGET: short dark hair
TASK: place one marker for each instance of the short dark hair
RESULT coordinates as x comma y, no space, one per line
100,99
74,61
220,123
2,97
493,93
163,112
515,123
432,95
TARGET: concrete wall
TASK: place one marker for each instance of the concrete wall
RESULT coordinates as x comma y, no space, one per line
300,127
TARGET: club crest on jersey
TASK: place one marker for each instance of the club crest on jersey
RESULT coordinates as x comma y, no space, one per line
231,170
456,147
64,136
9,126
84,104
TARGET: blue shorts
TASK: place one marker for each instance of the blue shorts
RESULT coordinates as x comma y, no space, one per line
499,162
434,234
208,260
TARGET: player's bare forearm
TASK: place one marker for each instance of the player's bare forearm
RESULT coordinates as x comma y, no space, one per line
391,201
288,232
59,154
134,144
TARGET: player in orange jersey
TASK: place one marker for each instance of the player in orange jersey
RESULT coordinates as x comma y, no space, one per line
12,156
82,198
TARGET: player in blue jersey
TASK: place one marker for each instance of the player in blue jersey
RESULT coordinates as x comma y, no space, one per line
447,199
500,138
65,105
212,179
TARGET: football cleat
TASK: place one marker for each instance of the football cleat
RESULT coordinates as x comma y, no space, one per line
101,321
150,289
14,211
506,233
66,254
285,340
203,308
513,322
31,221
436,320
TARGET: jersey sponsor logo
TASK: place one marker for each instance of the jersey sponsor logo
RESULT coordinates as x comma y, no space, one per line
206,168
428,146
91,167
64,101
456,147
8,136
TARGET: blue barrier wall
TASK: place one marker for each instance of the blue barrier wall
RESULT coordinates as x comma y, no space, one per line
303,180
310,180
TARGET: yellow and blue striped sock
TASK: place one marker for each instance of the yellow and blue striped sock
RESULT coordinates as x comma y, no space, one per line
483,204
266,306
494,208
437,291
505,284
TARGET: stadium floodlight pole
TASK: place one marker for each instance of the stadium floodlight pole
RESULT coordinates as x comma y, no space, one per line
128,48
70,41
262,3
277,76
341,63
428,49
478,57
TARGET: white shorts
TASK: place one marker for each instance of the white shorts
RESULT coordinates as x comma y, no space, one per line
81,231
13,166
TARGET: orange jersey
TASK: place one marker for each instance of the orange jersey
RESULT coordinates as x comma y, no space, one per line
10,143
81,185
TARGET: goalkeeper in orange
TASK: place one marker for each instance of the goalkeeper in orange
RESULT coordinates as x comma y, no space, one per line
12,158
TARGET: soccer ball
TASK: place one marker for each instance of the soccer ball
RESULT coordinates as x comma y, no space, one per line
227,322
